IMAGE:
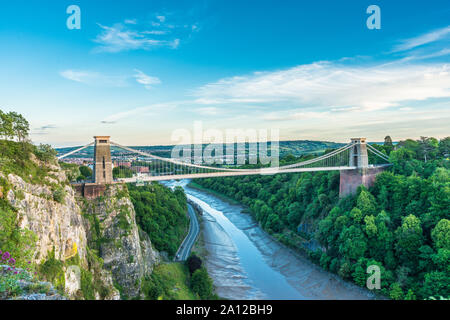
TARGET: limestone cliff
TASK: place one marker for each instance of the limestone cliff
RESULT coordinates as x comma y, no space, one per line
71,232
126,250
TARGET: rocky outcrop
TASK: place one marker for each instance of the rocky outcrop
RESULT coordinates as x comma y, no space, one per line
75,231
59,227
125,250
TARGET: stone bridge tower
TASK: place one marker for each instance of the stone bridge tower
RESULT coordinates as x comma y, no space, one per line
102,160
364,175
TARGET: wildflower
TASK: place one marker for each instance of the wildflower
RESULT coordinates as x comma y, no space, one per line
6,256
12,261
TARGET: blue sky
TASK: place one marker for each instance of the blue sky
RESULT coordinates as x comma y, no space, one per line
139,70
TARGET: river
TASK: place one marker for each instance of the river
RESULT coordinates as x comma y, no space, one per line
246,263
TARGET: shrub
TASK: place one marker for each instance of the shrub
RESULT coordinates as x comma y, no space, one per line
194,263
59,194
202,284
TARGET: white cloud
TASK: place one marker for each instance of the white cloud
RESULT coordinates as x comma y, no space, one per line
146,80
130,21
139,112
327,85
94,78
120,38
161,18
426,38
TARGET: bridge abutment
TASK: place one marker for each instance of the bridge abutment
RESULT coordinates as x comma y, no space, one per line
350,180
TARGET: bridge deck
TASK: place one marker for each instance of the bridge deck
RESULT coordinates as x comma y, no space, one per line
263,171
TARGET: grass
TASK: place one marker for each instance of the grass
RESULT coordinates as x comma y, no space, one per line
178,273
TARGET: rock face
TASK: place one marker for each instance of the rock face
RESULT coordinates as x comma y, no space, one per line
70,227
125,250
58,226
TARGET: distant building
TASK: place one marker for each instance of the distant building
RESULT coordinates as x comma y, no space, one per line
142,169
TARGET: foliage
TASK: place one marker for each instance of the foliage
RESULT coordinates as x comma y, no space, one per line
18,242
169,282
13,126
202,284
161,213
193,263
121,172
52,270
10,276
85,171
59,194
45,152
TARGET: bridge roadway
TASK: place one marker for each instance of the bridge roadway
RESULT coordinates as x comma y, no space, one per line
194,229
263,171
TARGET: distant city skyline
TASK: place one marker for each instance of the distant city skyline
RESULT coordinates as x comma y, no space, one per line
138,71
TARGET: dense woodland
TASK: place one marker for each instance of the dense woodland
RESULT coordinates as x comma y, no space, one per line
402,224
161,213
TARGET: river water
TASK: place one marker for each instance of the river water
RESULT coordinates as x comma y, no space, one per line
245,263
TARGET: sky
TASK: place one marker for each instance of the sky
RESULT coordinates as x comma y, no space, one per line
141,71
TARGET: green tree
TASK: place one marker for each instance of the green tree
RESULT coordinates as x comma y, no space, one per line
388,146
6,129
409,239
20,126
86,171
202,284
441,234
396,292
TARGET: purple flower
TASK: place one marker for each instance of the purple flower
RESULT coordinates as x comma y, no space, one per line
29,262
12,261
15,272
6,256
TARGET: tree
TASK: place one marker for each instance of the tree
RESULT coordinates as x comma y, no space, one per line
409,240
444,147
20,126
436,284
354,244
388,146
45,152
202,284
396,292
441,234
194,263
86,171
427,147
6,130
366,203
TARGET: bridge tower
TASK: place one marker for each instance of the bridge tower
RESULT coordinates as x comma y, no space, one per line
102,160
364,175
358,154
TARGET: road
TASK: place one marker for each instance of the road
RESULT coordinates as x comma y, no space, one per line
194,229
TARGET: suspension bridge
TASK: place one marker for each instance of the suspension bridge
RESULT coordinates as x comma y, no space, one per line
132,165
